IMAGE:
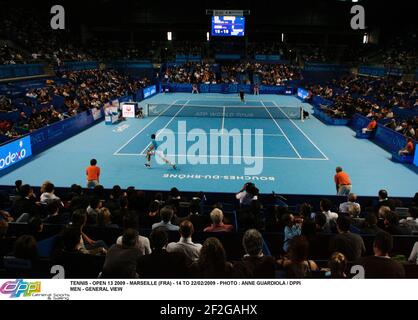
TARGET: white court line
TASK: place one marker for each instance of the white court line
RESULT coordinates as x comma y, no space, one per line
306,136
232,157
165,127
142,130
284,134
223,120
233,134
218,106
228,98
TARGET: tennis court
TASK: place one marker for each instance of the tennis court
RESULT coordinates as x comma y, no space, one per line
288,155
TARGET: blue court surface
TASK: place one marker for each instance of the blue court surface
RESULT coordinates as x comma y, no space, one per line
265,143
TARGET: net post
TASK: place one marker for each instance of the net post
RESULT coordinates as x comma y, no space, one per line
147,109
301,114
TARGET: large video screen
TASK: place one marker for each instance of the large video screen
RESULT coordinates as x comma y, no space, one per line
228,26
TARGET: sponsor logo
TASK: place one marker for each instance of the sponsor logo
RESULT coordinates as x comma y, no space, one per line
14,152
20,288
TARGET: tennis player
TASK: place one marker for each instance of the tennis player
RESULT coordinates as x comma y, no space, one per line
152,150
242,95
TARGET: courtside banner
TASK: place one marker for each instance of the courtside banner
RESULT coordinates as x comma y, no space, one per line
221,290
14,152
128,109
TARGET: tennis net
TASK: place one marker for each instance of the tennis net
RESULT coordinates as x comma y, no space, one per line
250,112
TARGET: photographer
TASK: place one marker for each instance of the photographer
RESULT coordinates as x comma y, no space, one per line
247,194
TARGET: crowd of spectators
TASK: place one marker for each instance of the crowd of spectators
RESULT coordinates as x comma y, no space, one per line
379,99
240,73
81,91
191,72
154,256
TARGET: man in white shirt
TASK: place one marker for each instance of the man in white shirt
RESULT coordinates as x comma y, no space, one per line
326,205
142,244
351,205
185,245
48,196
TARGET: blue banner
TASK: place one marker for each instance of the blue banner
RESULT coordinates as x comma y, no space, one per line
374,71
302,93
359,122
150,91
59,131
267,58
227,56
389,139
14,152
325,67
20,70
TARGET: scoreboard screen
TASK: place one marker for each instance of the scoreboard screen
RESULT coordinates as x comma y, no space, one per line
228,26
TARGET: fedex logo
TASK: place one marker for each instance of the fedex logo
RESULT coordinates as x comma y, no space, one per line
14,152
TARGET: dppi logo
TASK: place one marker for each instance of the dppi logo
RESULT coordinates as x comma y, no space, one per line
13,157
20,287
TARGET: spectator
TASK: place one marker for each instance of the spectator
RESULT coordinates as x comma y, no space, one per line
321,223
255,264
292,229
381,265
142,244
25,206
393,227
412,221
413,257
16,190
212,261
185,245
370,225
104,219
325,206
247,194
122,260
383,200
48,195
342,182
54,215
36,227
371,127
93,174
349,244
199,221
218,225
409,148
306,211
337,265
297,265
166,214
251,217
153,214
351,205
89,246
160,263
93,210
26,248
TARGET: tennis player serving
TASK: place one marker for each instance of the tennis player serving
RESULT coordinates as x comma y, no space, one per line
152,150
